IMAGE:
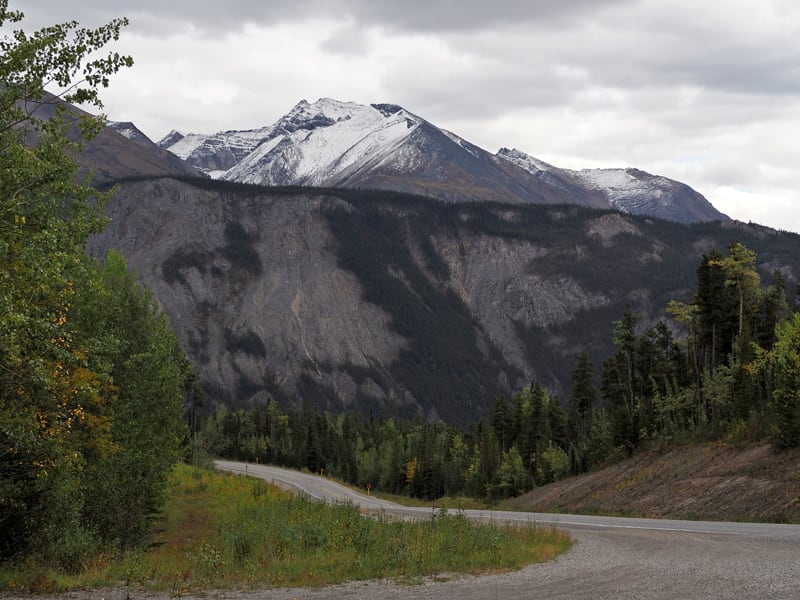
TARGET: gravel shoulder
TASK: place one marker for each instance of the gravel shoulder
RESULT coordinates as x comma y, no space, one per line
602,564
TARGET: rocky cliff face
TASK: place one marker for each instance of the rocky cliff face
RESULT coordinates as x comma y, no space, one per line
390,304
251,285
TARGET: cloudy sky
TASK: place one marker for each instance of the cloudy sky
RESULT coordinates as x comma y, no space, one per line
704,92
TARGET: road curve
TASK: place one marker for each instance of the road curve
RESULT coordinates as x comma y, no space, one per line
326,490
313,486
613,557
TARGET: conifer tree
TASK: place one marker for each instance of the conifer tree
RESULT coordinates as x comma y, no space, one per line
583,395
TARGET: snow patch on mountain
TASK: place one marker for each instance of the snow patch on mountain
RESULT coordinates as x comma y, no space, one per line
625,188
184,147
129,130
526,161
173,137
551,175
461,142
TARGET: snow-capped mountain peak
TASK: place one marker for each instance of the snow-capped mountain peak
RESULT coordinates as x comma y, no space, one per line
331,143
313,144
323,113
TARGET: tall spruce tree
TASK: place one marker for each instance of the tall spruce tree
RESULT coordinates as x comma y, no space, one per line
715,311
582,395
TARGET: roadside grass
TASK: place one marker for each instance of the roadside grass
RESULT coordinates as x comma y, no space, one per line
447,502
221,531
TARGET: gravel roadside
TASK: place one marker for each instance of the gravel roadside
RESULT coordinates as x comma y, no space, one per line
602,564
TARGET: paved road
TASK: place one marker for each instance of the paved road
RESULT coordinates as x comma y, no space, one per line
613,557
326,490
318,488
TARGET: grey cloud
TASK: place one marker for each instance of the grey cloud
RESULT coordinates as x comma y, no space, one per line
472,15
763,67
628,54
620,43
410,16
158,16
487,90
350,40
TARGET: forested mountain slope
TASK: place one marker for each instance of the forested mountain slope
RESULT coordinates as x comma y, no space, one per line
393,304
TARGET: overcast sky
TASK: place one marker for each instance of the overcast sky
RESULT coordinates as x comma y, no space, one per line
706,92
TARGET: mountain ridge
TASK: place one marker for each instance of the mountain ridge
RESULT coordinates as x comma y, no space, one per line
330,143
629,190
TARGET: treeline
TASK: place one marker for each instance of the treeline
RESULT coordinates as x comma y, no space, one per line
402,456
734,371
92,378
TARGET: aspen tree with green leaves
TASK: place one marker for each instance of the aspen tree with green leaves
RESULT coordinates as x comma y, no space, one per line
784,360
90,399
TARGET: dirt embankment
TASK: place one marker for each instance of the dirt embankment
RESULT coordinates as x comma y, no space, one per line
714,481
